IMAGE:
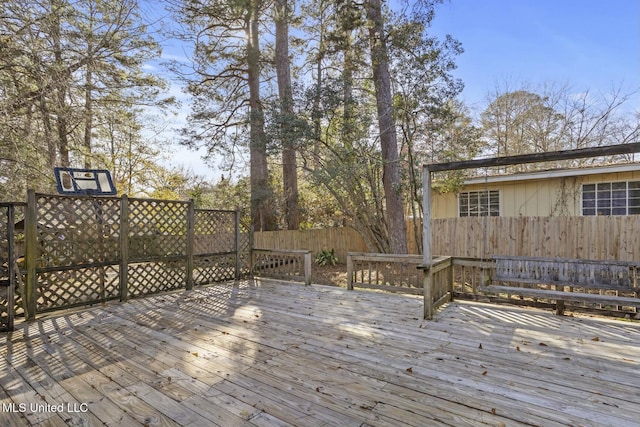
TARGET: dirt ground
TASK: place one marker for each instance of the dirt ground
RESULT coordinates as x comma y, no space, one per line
335,275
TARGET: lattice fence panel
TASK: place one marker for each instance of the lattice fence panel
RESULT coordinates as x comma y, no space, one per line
77,230
214,232
66,288
244,247
157,228
4,269
155,277
213,268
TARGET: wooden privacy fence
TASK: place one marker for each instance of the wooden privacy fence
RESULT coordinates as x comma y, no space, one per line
600,238
603,237
341,239
83,250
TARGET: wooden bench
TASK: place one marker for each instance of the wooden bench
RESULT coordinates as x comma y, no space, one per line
618,276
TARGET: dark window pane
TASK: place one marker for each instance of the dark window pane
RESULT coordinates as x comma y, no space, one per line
588,203
619,211
589,212
604,195
604,211
604,186
604,203
588,188
634,211
619,203
619,186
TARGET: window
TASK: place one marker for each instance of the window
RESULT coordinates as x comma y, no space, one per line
611,198
479,203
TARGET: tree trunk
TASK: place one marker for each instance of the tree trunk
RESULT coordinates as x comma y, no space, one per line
283,71
61,84
262,216
386,122
88,118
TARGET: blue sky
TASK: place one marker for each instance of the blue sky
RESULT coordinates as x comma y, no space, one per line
588,44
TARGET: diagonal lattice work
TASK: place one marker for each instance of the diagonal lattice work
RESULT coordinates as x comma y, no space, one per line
157,228
11,261
5,261
244,247
82,248
214,232
155,277
213,268
68,288
77,230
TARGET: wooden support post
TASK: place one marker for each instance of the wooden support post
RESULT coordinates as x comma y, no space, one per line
307,268
251,254
191,215
31,255
237,243
350,271
124,248
427,256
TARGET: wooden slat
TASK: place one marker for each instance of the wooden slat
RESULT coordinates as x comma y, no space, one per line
560,295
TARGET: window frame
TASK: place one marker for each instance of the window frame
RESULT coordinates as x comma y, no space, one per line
490,208
605,191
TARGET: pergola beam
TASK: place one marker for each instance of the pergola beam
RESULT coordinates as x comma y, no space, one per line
552,156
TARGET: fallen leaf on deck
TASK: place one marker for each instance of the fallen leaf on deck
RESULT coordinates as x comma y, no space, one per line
195,353
517,348
543,344
595,339
484,373
480,346
410,370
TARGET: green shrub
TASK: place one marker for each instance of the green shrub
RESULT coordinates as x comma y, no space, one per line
325,257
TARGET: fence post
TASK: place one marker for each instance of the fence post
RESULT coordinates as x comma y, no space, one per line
31,255
236,216
11,266
124,248
251,254
191,214
307,268
349,271
427,283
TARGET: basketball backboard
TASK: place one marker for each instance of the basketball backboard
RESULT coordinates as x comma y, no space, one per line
94,182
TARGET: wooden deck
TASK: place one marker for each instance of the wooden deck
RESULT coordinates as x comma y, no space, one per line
277,354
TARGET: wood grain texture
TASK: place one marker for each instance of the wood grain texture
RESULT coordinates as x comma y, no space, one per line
269,353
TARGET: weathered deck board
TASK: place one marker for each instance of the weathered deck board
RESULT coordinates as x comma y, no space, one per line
271,353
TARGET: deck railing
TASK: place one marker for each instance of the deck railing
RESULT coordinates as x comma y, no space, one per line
294,265
403,273
437,284
388,272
